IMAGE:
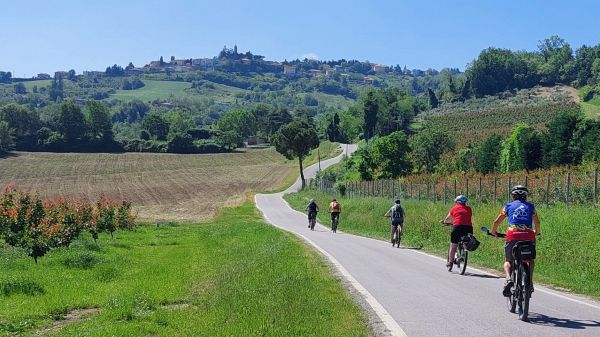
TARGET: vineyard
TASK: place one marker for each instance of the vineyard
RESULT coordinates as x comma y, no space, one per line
475,120
550,187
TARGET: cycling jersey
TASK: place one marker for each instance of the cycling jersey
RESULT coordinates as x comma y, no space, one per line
519,215
397,214
312,207
461,215
334,207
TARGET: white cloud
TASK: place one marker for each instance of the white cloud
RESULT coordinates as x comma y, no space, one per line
310,56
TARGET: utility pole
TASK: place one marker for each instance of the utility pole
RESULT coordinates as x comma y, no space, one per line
319,157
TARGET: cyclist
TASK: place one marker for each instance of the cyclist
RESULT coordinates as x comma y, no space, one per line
461,218
396,212
521,214
312,209
335,209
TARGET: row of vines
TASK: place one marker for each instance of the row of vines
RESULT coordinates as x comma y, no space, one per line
37,226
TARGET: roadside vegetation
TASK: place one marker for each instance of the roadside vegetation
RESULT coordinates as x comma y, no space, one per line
568,249
235,276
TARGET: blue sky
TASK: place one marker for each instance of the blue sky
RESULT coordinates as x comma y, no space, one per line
45,36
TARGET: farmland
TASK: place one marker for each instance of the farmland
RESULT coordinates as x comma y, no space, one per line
154,90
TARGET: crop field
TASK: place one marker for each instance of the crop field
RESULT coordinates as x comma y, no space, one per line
162,187
154,90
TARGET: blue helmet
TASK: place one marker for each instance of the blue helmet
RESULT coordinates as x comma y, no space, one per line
461,198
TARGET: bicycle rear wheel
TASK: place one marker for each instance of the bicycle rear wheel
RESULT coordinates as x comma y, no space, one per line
525,292
511,300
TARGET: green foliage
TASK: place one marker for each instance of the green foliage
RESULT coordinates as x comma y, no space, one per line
20,119
99,122
240,122
181,143
391,155
7,142
428,146
156,125
558,137
71,121
488,155
521,150
295,140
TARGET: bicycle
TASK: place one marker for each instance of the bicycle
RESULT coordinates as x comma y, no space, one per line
520,293
334,221
396,235
461,257
312,220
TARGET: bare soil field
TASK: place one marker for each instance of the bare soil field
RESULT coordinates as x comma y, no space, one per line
162,187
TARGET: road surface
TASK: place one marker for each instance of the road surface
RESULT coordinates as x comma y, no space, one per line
415,295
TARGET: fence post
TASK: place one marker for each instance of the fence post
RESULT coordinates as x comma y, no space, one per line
526,181
394,188
455,188
480,198
568,188
410,189
548,190
508,188
467,187
445,187
595,186
495,189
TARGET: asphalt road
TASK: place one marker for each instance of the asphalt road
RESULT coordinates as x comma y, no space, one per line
415,295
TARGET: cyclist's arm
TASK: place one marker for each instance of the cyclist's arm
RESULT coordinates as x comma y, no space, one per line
317,209
497,222
449,219
536,223
387,214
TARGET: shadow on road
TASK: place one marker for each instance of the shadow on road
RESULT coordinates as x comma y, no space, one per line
411,248
545,320
482,275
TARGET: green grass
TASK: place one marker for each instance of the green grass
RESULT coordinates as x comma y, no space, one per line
154,90
591,109
568,251
40,84
236,276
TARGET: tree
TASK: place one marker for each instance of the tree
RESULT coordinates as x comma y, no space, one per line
333,129
5,76
6,137
465,93
370,111
521,150
295,140
20,89
56,89
156,125
241,122
488,155
181,143
549,46
391,155
23,121
433,101
71,121
99,121
277,118
130,66
558,137
428,146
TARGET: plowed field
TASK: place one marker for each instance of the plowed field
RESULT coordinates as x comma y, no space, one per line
163,187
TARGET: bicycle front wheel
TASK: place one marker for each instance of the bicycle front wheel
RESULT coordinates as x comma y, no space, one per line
464,255
511,300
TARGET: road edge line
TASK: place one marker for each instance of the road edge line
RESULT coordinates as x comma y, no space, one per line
387,319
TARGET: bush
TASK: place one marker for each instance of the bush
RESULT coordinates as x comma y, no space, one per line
25,287
81,260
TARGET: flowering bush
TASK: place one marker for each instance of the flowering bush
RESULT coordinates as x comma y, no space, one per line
38,226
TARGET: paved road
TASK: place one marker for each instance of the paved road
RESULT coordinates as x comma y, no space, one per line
417,296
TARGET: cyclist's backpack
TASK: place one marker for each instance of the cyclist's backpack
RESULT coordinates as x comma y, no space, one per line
398,213
335,206
472,244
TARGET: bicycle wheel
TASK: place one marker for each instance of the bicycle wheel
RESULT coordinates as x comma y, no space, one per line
458,256
511,300
399,231
463,257
525,292
312,224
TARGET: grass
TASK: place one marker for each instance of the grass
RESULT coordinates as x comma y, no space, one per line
568,251
154,90
234,277
592,109
162,187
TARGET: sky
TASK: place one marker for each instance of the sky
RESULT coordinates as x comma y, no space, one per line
46,36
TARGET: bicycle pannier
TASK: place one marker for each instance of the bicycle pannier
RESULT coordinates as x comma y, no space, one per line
524,251
472,244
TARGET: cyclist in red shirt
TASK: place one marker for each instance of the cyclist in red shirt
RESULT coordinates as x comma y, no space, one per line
460,216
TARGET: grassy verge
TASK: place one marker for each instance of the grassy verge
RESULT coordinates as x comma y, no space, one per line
568,252
234,277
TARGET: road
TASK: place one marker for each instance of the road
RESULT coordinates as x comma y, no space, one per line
415,295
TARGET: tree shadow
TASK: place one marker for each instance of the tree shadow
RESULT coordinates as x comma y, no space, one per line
411,248
540,319
4,155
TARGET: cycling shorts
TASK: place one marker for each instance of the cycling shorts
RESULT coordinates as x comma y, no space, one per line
335,215
460,231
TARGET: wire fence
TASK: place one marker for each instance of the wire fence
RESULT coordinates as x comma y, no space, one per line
571,188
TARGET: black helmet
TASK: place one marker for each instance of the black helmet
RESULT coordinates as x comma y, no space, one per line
519,190
397,201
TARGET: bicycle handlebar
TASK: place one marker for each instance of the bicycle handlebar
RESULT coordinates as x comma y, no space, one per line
487,231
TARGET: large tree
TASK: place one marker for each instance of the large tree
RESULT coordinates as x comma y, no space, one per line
488,155
99,121
72,121
295,140
428,146
391,154
156,125
558,137
521,150
6,137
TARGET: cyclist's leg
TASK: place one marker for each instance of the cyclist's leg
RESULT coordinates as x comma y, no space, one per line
392,232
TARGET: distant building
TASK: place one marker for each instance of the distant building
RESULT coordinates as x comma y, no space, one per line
369,80
289,70
339,69
166,105
79,101
155,64
63,74
245,61
380,68
315,73
43,76
134,71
